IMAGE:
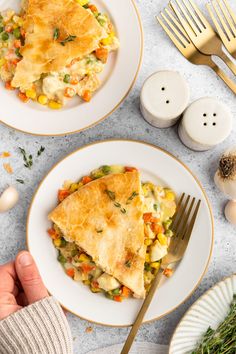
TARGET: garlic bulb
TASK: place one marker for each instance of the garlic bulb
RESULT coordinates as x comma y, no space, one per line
8,199
230,212
225,177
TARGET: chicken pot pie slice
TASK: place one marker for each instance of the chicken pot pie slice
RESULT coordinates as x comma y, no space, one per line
105,219
56,32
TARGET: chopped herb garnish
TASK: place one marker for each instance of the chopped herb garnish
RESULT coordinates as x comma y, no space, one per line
56,33
123,210
89,61
128,263
133,195
155,207
42,148
99,231
68,39
27,159
67,79
110,194
20,181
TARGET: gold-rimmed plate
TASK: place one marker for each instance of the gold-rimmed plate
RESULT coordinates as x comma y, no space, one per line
155,165
117,80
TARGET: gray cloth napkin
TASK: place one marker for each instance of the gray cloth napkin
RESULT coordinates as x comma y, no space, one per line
137,348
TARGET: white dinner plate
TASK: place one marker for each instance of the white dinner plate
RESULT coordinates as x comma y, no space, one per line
210,310
117,80
155,165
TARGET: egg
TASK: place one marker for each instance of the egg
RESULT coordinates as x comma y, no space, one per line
8,199
230,212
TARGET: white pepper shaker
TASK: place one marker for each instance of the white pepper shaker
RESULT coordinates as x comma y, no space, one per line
206,123
164,97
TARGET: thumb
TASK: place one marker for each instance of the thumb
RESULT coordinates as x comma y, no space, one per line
29,277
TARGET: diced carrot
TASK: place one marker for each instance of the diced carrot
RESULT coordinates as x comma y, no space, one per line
52,233
155,220
156,228
8,86
168,272
22,96
118,298
70,272
17,43
5,154
15,61
125,291
69,92
8,28
86,268
130,169
74,80
22,32
147,217
95,284
102,54
62,194
93,8
86,179
87,95
8,168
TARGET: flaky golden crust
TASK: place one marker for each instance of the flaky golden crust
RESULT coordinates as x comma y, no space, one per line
41,52
119,249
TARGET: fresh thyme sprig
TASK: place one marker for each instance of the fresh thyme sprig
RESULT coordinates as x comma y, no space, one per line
133,195
223,339
112,196
41,150
28,159
21,181
67,39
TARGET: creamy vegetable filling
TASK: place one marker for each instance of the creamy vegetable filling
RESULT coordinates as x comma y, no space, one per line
159,208
54,89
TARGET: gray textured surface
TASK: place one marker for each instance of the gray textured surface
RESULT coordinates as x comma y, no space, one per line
127,122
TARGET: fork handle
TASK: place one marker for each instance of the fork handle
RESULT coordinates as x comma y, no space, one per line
223,76
141,314
227,61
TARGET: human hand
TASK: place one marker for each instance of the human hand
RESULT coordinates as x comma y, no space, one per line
20,284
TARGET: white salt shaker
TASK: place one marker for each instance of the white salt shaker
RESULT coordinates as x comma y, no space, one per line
206,123
164,97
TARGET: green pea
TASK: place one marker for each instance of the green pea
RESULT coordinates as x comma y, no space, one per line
116,291
1,29
63,242
67,79
61,259
17,33
74,252
106,169
5,36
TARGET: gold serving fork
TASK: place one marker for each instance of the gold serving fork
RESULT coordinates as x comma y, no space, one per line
182,226
179,37
199,30
224,20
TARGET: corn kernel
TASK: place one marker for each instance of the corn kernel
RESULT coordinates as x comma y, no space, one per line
83,258
107,41
83,2
148,242
31,94
57,242
147,258
86,282
162,239
2,62
54,105
42,99
155,265
73,187
169,195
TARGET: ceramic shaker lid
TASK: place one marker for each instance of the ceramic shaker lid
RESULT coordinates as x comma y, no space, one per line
206,123
164,97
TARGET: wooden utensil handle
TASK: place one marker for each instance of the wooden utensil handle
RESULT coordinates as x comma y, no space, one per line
223,76
228,61
141,314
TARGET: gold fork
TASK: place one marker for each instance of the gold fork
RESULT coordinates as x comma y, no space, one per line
199,30
225,23
182,226
179,37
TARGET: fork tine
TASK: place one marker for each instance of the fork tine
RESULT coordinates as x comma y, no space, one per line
177,33
193,15
228,19
178,220
177,24
177,43
186,22
199,13
232,14
221,18
217,25
189,230
185,219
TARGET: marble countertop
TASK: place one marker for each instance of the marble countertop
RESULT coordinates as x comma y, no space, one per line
127,122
